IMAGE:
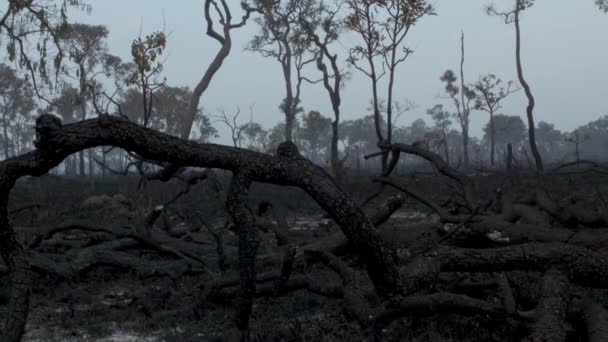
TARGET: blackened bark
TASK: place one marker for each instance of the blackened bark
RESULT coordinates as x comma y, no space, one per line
55,142
441,166
549,325
465,109
593,316
248,247
18,266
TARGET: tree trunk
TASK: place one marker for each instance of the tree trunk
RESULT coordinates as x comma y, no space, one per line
5,128
509,157
290,106
19,272
203,84
287,168
465,109
524,84
446,148
248,245
492,138
90,155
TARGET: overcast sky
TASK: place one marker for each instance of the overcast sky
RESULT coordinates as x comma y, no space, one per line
564,49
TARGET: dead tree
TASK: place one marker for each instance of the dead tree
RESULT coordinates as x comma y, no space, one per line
55,142
224,13
513,16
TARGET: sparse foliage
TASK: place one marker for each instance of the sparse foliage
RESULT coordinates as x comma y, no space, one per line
489,93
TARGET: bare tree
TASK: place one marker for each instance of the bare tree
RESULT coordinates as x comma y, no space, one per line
513,16
224,37
489,92
231,121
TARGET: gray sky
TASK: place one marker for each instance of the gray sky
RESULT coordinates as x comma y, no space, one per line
564,49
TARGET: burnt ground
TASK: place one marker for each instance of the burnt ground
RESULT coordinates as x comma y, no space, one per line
108,303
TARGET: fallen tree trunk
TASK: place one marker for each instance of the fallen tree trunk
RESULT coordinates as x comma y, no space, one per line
550,314
55,142
593,316
580,265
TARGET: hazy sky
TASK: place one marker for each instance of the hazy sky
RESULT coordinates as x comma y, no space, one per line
564,48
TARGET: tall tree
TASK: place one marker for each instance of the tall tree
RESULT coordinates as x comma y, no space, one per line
489,92
462,104
224,38
16,98
283,37
513,16
330,28
382,27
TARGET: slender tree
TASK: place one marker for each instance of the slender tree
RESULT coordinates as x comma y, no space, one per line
513,17
223,36
231,121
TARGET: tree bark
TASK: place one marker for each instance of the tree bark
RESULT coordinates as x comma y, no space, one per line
551,310
248,246
530,107
55,142
16,260
492,138
465,109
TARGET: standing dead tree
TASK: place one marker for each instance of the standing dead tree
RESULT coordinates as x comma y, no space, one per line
513,17
236,130
224,37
